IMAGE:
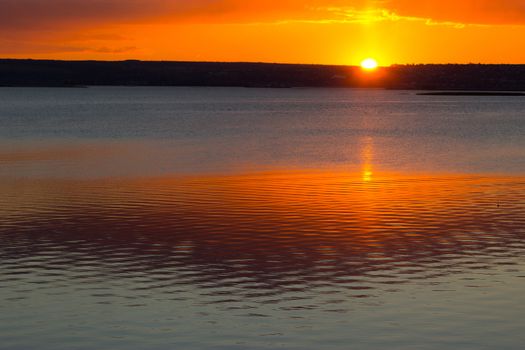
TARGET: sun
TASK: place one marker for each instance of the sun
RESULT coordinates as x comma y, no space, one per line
369,64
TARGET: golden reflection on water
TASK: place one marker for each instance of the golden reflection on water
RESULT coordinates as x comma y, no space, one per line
259,245
324,209
367,159
193,254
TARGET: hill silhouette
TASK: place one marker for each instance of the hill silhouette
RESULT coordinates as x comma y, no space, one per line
471,77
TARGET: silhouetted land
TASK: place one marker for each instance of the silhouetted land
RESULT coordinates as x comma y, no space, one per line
472,93
472,77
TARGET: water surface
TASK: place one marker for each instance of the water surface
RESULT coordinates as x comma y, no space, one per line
148,218
104,132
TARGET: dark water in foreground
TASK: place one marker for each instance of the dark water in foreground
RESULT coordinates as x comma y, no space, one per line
193,219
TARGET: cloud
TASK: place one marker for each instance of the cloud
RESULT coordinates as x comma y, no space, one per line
30,47
54,14
109,50
59,14
505,12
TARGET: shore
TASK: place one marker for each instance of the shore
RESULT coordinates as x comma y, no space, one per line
445,77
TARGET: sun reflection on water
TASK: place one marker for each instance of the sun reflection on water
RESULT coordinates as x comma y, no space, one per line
367,155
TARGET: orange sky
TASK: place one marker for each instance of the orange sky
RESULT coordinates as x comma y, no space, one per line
294,31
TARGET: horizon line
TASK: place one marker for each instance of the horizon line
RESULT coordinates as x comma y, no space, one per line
258,62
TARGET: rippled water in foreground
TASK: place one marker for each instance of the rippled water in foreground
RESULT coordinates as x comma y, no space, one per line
194,219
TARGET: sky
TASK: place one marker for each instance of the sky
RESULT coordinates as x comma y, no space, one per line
287,31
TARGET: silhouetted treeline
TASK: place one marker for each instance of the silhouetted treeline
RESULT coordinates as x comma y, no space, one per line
139,73
457,77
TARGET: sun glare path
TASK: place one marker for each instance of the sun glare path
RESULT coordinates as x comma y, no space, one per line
369,64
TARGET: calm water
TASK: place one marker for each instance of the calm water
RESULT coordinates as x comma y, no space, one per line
194,218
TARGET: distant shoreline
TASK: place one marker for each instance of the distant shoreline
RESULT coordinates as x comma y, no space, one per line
471,93
440,79
427,93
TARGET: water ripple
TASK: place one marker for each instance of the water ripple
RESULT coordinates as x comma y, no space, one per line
253,246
